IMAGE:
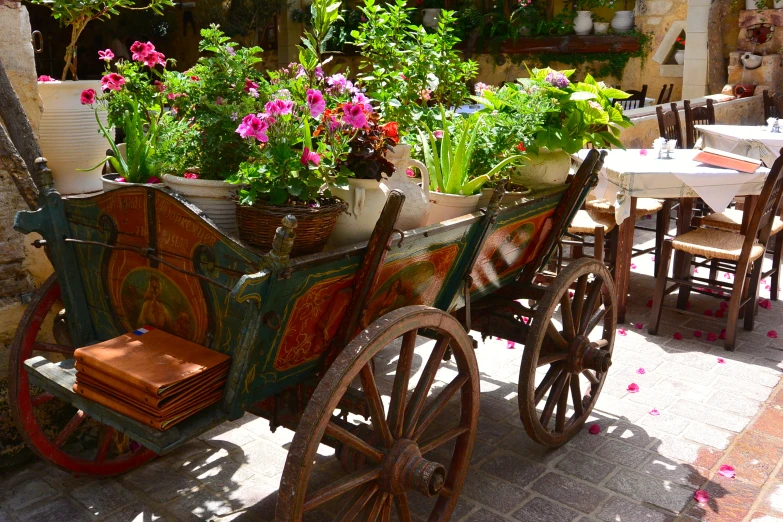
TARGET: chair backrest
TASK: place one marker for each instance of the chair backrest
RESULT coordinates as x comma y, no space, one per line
766,208
636,100
665,95
669,124
697,116
773,105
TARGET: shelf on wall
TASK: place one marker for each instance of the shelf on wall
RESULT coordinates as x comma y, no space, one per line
571,44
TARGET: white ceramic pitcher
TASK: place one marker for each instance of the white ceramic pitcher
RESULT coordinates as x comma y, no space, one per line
417,190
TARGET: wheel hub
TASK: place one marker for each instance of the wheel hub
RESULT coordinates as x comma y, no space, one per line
584,355
404,469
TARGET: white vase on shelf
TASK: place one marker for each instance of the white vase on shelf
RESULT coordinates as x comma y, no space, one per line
622,21
583,23
679,56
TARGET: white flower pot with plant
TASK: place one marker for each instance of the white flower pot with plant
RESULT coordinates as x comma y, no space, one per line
430,16
583,23
756,5
623,20
679,50
601,27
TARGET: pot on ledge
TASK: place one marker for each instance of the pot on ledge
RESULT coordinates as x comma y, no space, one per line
679,56
751,61
622,21
583,23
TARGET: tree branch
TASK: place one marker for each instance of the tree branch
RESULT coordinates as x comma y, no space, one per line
15,120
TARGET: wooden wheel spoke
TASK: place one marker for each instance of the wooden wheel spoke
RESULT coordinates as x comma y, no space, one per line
357,502
104,444
375,511
69,428
550,354
554,396
386,509
551,376
567,316
556,337
344,484
590,376
41,398
413,411
439,440
400,388
594,320
437,405
578,301
349,439
54,348
377,414
576,396
591,302
562,406
403,509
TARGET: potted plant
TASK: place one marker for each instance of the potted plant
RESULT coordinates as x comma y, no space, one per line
679,50
212,96
69,136
453,191
756,5
623,20
430,12
583,23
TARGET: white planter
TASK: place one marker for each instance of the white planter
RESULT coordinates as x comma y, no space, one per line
679,56
417,205
449,206
508,197
622,21
583,23
750,5
70,137
430,17
108,183
365,199
603,27
777,4
214,197
543,169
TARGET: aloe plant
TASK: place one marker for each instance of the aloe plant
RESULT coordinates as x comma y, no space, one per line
449,161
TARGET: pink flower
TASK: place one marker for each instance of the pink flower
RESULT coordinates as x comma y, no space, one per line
315,102
654,412
772,334
701,496
152,180
712,337
88,96
253,127
633,266
621,331
642,152
362,100
697,333
190,175
120,180
723,305
249,84
678,336
510,345
159,85
594,429
641,371
45,78
726,470
721,360
409,172
278,107
403,77
708,312
112,82
438,134
354,115
154,58
106,55
639,326
633,388
727,276
765,303
141,50
309,156
526,320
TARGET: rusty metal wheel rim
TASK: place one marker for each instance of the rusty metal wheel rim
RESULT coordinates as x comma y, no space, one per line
407,421
22,402
568,352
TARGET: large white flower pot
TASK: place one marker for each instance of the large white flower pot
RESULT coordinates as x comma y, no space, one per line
622,21
449,206
70,136
544,169
214,197
417,205
365,199
430,17
679,56
583,23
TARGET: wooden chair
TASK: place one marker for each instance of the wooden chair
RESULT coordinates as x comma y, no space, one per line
665,95
600,228
669,124
744,252
636,100
697,116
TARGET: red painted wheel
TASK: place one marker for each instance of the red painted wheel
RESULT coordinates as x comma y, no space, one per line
411,455
53,429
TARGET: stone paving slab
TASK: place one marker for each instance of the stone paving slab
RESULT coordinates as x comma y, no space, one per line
639,468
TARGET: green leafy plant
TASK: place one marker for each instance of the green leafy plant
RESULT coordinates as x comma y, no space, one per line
76,14
239,18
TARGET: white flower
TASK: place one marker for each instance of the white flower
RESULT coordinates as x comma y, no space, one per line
432,82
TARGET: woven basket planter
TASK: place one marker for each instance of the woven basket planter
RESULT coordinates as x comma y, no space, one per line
258,224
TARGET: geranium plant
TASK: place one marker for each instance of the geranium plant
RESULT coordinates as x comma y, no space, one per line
679,43
76,14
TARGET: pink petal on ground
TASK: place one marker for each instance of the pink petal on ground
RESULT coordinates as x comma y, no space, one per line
712,337
570,294
633,388
724,305
721,360
701,496
653,258
678,336
654,412
765,303
697,333
510,345
641,371
622,332
772,334
726,470
633,266
727,276
594,429
722,334
695,270
649,303
639,326
642,152
718,313
708,312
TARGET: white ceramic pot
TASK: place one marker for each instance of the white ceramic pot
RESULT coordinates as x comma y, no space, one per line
449,206
679,56
603,27
583,23
365,199
109,183
777,4
751,61
622,21
417,190
508,197
70,137
544,169
750,5
214,197
430,17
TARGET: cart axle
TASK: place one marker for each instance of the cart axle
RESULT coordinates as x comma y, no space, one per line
404,469
586,355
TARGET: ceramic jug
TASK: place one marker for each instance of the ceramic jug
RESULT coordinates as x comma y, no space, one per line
417,190
583,23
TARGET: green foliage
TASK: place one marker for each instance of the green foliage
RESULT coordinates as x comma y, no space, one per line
239,18
76,14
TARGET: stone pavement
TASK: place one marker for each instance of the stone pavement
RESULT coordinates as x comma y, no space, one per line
639,468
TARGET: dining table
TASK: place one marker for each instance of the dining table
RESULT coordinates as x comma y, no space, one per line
638,173
754,141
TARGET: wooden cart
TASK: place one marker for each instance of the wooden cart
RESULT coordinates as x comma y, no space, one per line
316,341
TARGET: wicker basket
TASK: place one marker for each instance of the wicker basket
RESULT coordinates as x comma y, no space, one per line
258,223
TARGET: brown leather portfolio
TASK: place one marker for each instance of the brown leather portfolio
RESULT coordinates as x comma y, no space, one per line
149,359
98,380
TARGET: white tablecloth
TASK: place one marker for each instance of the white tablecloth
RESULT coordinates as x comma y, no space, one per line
630,173
744,140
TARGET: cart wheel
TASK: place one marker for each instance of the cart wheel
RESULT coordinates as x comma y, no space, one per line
53,429
572,357
390,462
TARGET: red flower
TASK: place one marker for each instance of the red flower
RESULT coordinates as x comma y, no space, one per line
141,50
521,147
88,96
594,429
390,129
154,180
190,175
112,82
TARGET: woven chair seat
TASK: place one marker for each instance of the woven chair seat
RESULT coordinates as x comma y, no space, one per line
731,219
644,206
715,244
584,223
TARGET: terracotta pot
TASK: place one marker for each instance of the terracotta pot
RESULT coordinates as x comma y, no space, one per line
744,90
214,197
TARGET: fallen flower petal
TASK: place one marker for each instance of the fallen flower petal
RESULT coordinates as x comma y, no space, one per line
772,334
622,332
633,266
701,496
633,388
718,313
708,312
697,333
641,371
712,337
721,360
639,326
724,305
678,336
510,345
726,470
649,303
654,412
594,429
